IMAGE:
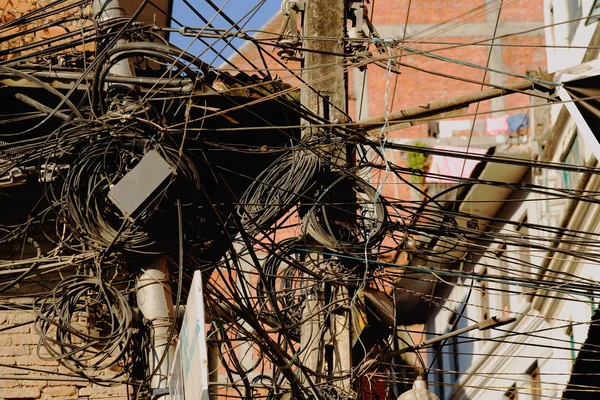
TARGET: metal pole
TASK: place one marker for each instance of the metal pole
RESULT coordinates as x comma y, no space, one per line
490,323
444,106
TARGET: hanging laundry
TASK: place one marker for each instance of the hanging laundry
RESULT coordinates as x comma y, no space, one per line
494,126
517,122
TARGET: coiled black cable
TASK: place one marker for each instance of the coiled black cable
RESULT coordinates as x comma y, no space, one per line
85,324
278,189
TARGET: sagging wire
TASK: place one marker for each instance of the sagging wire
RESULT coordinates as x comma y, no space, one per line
262,306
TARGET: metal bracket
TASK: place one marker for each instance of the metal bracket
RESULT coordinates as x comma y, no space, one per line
15,176
357,13
49,172
290,31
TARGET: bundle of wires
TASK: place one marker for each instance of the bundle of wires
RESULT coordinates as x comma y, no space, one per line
86,211
348,215
276,190
280,269
179,65
87,325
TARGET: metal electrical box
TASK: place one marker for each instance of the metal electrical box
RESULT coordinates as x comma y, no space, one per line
140,186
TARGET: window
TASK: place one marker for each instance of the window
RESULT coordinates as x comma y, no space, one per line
535,381
512,393
575,155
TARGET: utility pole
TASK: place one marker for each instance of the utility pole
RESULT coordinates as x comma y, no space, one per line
328,352
324,73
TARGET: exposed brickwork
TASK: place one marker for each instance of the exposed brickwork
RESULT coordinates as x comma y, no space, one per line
516,10
14,9
417,88
19,359
428,11
414,88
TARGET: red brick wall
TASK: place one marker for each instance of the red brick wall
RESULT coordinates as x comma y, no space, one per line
416,88
517,10
13,9
426,11
18,348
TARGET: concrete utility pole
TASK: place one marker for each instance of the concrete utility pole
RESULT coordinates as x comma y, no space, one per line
324,18
328,342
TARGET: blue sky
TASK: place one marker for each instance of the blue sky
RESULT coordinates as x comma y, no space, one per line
235,9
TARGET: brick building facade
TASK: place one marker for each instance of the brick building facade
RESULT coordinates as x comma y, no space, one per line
458,30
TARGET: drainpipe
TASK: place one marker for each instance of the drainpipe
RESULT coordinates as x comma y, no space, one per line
156,305
105,10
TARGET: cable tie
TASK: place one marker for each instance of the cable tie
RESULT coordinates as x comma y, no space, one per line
290,363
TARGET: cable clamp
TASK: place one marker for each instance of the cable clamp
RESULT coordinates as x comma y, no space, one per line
290,363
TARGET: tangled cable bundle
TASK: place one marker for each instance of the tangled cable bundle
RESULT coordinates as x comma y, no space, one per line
289,300
180,66
348,215
278,189
86,210
285,280
87,325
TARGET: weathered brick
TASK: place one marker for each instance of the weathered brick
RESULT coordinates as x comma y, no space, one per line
33,359
22,317
46,397
8,383
19,393
19,329
13,371
95,390
64,370
8,361
18,340
426,11
37,383
5,340
15,351
60,391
